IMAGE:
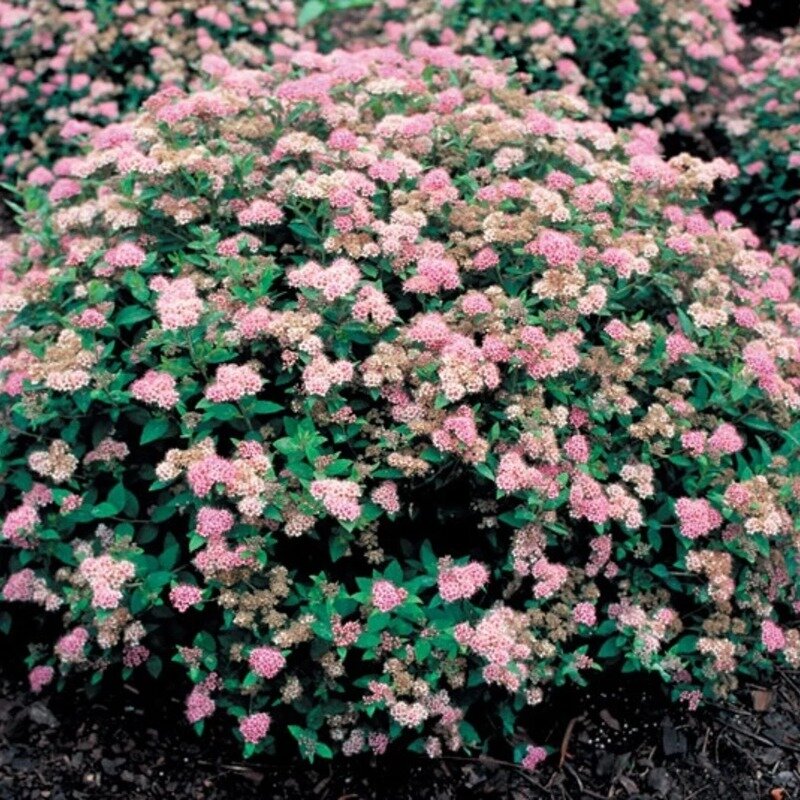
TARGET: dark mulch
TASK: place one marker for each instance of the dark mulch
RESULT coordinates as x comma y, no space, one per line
131,749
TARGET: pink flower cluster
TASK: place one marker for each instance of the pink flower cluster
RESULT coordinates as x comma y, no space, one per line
386,596
157,389
70,648
339,497
233,382
255,727
178,305
184,596
106,576
696,517
266,662
461,582
39,677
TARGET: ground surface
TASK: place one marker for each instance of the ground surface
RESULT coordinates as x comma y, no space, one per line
50,751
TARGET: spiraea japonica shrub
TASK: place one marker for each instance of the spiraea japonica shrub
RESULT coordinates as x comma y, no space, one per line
382,395
762,122
67,66
632,59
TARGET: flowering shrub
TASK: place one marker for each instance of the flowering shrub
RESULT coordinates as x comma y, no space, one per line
382,394
763,126
634,58
68,65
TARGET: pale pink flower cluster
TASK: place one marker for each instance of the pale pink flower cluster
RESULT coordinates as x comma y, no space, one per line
600,553
125,255
106,576
107,451
266,662
255,727
692,699
217,558
461,582
345,634
576,448
386,497
650,627
723,652
434,275
696,517
545,357
199,703
761,363
514,474
19,525
339,497
233,382
135,655
260,212
321,374
458,433
585,614
725,440
213,522
71,646
57,462
91,318
549,577
336,281
772,637
178,305
533,757
39,677
25,586
184,596
760,505
157,389
438,186
373,306
409,715
233,245
557,249
205,474
386,596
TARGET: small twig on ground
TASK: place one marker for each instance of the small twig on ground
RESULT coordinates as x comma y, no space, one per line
581,788
759,738
705,740
565,742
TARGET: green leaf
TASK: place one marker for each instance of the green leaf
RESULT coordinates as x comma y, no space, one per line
266,407
155,429
157,580
154,666
103,510
323,750
610,649
686,644
338,546
171,552
428,558
310,11
131,315
117,497
223,411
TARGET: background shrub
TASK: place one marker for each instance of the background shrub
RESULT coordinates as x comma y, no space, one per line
762,123
68,66
383,394
631,59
